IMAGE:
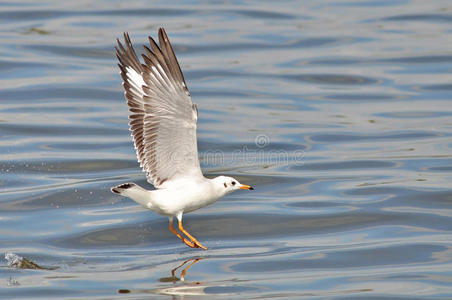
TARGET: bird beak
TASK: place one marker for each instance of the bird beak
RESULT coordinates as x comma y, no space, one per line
246,187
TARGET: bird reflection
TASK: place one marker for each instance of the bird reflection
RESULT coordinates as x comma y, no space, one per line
177,291
185,266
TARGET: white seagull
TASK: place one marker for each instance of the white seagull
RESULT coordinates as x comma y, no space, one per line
163,124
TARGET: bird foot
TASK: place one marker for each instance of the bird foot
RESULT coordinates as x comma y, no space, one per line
199,245
193,244
188,243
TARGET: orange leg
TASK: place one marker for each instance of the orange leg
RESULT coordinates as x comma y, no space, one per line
186,242
195,241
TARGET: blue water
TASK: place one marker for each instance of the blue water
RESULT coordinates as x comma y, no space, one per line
338,113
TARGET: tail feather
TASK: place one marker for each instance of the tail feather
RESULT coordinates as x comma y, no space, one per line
120,188
134,192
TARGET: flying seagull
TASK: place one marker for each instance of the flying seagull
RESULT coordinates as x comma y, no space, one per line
163,124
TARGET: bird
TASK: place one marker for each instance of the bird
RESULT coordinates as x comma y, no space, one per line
163,122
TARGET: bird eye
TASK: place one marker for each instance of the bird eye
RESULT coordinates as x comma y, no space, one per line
233,183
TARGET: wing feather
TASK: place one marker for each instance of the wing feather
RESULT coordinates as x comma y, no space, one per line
162,115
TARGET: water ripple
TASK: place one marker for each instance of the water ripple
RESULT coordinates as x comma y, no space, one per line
337,113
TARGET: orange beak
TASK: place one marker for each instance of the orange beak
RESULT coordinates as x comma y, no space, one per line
246,187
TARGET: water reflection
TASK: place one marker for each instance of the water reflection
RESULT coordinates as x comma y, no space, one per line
190,288
188,264
368,210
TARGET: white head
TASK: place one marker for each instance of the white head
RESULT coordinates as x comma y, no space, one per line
229,184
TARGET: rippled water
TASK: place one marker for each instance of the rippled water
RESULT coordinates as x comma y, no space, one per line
338,113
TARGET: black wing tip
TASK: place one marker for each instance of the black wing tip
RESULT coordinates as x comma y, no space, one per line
127,36
162,35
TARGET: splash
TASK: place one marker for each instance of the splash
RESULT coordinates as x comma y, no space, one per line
19,262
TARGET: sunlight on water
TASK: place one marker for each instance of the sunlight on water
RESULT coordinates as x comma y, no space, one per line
337,113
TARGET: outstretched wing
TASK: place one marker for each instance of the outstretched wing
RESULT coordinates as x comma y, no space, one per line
162,115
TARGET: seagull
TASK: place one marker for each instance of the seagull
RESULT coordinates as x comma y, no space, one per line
163,121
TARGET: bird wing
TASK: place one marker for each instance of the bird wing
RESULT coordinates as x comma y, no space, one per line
162,116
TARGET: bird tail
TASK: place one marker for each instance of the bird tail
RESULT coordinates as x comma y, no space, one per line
134,192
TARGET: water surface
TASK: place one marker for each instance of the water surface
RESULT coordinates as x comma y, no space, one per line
338,113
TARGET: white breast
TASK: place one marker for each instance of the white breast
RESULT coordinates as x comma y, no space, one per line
183,198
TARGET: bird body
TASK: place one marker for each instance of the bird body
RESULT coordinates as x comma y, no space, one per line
163,121
191,194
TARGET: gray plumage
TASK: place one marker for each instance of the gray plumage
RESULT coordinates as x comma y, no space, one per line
162,116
